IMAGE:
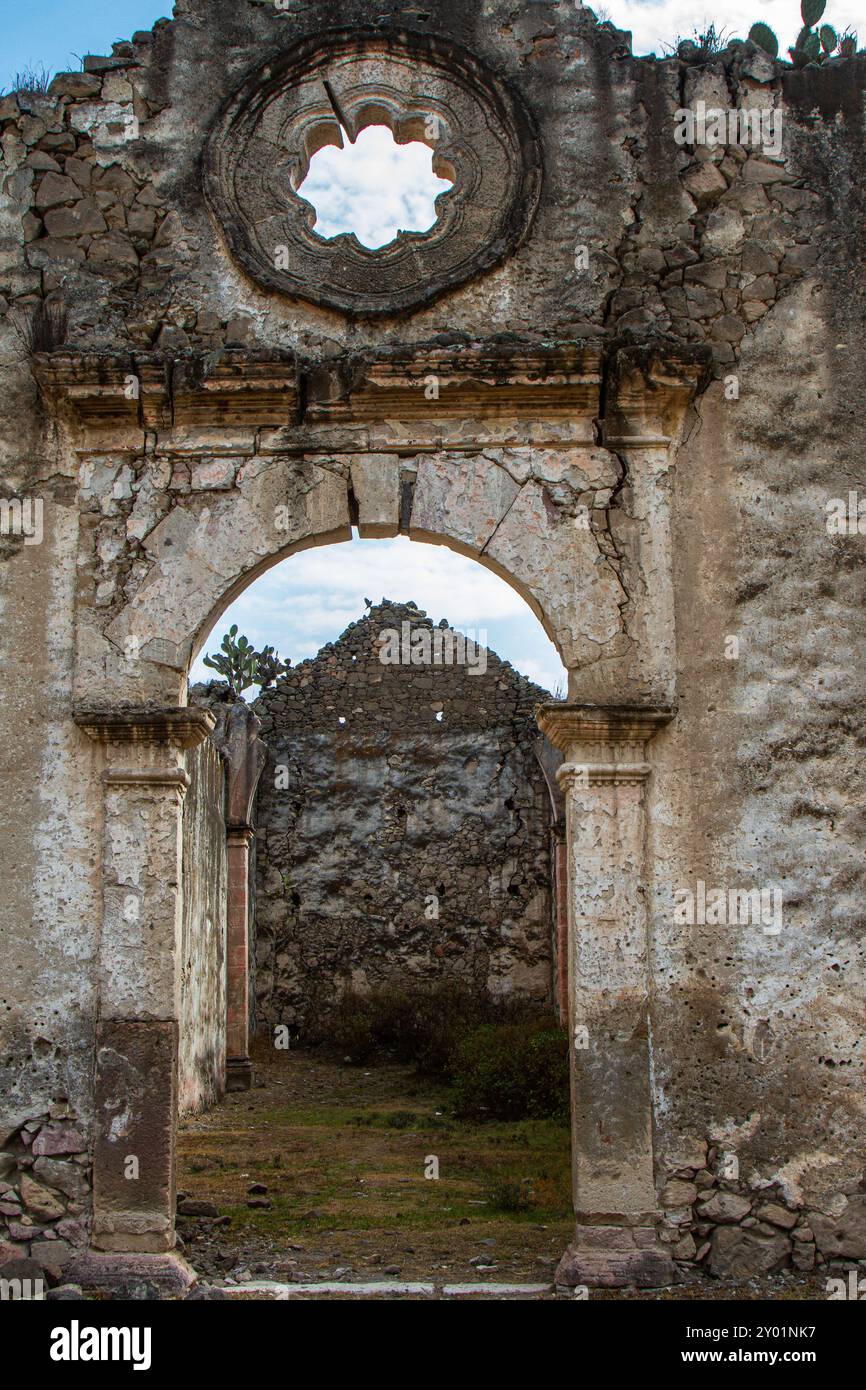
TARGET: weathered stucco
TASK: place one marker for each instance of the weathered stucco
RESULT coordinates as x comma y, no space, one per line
641,413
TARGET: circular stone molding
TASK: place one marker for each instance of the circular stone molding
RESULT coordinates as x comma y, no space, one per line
423,88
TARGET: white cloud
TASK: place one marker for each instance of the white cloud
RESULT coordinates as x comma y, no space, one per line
375,188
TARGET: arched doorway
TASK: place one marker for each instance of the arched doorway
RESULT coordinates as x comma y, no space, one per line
498,457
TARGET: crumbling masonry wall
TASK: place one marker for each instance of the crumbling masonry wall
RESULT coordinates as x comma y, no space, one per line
403,831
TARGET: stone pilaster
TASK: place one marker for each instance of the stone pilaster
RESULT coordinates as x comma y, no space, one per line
139,972
239,1070
604,777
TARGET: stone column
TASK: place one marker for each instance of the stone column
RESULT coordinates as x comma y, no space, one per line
237,737
239,1068
560,917
604,777
139,973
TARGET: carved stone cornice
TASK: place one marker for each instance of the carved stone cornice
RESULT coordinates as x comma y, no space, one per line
146,777
152,392
178,727
478,380
643,391
647,392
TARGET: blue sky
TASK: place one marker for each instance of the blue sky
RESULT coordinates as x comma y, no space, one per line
310,598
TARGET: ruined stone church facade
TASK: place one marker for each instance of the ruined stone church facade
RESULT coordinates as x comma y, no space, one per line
621,371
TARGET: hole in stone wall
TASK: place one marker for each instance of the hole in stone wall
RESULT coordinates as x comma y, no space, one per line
375,187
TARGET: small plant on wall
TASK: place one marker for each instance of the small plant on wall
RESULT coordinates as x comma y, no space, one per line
242,666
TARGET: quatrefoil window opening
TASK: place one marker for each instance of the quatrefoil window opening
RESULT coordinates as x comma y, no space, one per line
379,184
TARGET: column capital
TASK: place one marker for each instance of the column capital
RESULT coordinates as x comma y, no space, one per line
618,727
602,743
648,392
239,834
179,726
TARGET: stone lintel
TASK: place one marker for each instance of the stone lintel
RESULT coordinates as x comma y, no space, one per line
179,727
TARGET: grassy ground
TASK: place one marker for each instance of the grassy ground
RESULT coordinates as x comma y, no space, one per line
342,1152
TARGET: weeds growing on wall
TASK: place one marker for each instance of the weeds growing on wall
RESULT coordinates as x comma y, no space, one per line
42,329
31,81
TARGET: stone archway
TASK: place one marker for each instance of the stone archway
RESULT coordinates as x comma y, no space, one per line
551,466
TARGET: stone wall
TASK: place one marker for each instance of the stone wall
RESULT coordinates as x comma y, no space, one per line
107,205
739,1224
44,1190
202,1048
403,826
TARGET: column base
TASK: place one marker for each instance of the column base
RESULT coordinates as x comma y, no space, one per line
239,1074
99,1271
616,1257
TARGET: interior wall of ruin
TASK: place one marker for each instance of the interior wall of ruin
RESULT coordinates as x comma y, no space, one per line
403,825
